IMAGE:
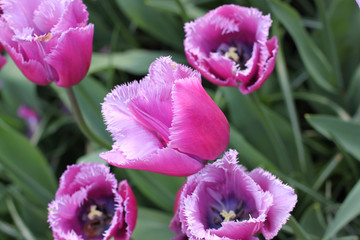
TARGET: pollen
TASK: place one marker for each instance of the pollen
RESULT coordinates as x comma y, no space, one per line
228,216
38,38
94,213
232,54
173,64
47,37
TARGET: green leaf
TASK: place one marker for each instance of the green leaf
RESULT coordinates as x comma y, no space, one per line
152,224
348,210
172,7
313,221
347,134
135,61
25,165
161,25
314,60
92,157
248,155
160,189
17,89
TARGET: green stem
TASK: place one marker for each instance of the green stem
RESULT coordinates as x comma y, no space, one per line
183,13
274,136
298,230
330,43
289,100
327,171
81,122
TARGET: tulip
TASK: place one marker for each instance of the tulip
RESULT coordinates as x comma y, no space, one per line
30,117
224,201
89,204
49,40
165,123
229,47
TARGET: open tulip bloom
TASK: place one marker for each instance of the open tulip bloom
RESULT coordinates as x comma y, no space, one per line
230,47
223,201
89,204
165,123
49,40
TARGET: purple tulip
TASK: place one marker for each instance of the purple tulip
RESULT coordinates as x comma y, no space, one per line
30,117
49,40
165,123
223,201
88,205
358,2
230,47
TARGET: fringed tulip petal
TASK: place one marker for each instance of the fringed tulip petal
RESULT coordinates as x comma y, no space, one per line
165,123
199,127
284,197
49,40
88,205
224,201
229,47
164,161
72,52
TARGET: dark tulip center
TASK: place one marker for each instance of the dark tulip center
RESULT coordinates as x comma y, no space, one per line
229,209
238,52
95,217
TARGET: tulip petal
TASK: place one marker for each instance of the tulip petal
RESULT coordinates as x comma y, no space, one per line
284,201
47,15
199,127
74,15
265,69
132,137
71,57
164,161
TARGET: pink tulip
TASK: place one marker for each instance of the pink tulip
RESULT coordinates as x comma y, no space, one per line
224,201
89,204
230,47
49,40
30,117
165,123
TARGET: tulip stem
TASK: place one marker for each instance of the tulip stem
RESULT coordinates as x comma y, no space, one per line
81,122
183,13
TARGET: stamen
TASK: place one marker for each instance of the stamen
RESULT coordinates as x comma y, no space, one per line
94,213
39,38
232,54
47,37
228,216
173,65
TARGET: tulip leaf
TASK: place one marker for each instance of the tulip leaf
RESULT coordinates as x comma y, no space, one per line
248,155
18,90
92,157
347,134
314,60
90,94
161,25
160,189
313,220
135,61
152,224
348,210
28,167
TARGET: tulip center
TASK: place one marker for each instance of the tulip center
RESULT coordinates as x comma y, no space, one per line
240,53
95,217
229,209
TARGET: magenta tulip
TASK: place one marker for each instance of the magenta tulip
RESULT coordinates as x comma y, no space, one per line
165,123
223,201
89,204
230,47
49,40
30,117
